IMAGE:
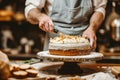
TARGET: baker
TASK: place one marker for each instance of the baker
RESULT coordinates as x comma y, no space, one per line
72,17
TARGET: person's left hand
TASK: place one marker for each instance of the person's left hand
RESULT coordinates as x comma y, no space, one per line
90,34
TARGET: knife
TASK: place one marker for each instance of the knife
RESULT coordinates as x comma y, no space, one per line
58,32
55,31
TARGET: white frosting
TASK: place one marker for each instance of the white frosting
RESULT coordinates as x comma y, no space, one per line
69,46
69,39
69,42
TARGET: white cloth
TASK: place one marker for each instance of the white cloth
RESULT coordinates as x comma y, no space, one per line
99,5
4,57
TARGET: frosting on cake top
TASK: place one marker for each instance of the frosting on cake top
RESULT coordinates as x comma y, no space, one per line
67,39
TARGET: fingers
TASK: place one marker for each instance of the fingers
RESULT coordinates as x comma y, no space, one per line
51,25
46,24
93,43
41,25
92,40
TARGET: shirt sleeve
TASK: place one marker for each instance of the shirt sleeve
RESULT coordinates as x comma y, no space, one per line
30,4
100,6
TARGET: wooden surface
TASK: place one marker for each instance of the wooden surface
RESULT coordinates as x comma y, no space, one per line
44,66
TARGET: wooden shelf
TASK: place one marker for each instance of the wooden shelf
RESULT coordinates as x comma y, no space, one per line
21,56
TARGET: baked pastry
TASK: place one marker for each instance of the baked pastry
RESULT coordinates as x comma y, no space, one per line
23,71
24,66
66,45
19,16
6,15
115,70
32,72
20,74
4,67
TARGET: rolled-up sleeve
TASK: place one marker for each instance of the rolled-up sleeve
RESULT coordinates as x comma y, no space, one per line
30,4
100,6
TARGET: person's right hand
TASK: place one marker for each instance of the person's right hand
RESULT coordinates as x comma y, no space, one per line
45,23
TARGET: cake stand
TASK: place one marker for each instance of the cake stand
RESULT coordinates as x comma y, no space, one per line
70,65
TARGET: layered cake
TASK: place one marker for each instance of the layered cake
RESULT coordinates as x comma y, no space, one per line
66,45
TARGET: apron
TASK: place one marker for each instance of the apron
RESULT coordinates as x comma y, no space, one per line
71,16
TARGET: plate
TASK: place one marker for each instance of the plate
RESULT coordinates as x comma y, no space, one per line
93,56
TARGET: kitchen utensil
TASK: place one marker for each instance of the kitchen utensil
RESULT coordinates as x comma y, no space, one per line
115,29
113,23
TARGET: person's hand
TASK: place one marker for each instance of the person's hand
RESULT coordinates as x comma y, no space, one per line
90,34
45,23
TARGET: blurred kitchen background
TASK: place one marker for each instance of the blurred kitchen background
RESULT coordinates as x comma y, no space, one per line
21,40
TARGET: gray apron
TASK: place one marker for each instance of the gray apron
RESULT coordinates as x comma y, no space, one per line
71,16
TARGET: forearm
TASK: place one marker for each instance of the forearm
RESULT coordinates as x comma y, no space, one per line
43,20
96,21
33,16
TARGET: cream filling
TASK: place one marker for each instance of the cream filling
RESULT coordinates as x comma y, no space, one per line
80,46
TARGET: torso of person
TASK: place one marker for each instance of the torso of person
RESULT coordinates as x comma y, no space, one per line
71,16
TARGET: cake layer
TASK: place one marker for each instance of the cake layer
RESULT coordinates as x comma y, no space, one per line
80,46
72,52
